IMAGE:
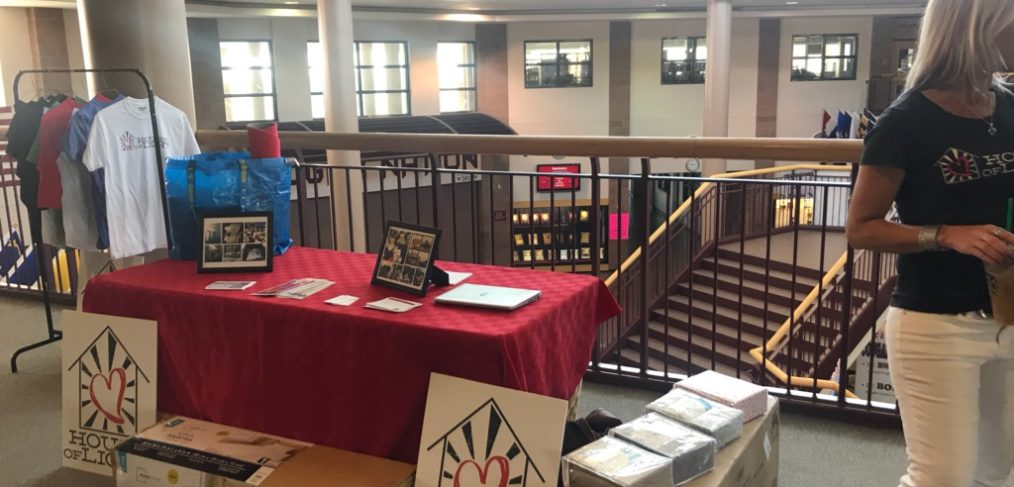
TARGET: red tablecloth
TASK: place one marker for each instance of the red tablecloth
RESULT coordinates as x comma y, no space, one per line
352,378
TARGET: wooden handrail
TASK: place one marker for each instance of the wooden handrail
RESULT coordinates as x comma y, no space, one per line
806,150
786,328
685,206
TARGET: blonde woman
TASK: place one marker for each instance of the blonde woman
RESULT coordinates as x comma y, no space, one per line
944,153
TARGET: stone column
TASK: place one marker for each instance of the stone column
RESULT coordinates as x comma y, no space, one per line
337,44
768,71
716,86
143,34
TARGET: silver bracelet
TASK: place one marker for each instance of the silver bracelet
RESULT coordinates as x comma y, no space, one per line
928,239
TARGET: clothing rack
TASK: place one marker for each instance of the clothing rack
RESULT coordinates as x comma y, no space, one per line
53,334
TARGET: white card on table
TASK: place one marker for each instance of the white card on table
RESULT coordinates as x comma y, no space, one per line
343,300
230,285
393,305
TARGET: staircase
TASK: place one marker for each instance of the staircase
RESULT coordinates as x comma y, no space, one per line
729,304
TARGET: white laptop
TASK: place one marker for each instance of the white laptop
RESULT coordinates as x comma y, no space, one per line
495,297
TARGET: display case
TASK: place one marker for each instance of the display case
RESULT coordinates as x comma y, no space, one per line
561,235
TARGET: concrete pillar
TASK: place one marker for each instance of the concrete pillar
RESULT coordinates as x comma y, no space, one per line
336,42
206,62
768,73
491,70
716,86
143,34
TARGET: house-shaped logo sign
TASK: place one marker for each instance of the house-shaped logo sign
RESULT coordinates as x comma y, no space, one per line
483,449
108,391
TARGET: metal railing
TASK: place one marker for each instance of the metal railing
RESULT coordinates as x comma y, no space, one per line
691,245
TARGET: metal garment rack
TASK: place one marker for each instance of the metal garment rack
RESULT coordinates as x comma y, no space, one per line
57,335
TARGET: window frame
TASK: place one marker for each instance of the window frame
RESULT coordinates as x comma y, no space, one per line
360,92
274,82
696,39
590,63
475,75
824,57
308,68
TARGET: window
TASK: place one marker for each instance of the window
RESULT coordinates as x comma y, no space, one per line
906,57
456,66
683,60
315,61
248,80
558,64
824,57
382,79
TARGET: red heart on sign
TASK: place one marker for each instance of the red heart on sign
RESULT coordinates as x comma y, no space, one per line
109,396
484,472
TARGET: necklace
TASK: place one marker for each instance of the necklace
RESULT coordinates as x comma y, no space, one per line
990,126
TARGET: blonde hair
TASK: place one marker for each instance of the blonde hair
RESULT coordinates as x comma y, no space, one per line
957,46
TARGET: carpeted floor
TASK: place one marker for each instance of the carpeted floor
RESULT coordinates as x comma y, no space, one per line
814,452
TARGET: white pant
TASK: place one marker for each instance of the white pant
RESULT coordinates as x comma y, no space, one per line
954,379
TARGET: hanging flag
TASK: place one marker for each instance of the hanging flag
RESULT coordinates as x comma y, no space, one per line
823,126
844,125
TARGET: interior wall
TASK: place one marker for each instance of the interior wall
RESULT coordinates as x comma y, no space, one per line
801,103
658,110
75,54
15,51
557,111
292,79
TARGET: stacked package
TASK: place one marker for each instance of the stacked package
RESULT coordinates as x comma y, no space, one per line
722,423
610,462
750,398
692,453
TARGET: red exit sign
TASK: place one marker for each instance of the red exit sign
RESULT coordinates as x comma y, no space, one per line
558,182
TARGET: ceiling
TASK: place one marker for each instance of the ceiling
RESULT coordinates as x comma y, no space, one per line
577,6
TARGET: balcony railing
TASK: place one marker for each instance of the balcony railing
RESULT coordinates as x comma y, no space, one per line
687,237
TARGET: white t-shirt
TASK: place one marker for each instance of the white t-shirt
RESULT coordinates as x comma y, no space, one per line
121,141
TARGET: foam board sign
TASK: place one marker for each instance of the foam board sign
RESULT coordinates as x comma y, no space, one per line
478,434
109,386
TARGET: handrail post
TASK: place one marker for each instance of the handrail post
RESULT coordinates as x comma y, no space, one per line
435,185
596,237
645,257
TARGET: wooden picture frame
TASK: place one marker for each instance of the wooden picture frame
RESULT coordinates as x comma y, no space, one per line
235,242
406,256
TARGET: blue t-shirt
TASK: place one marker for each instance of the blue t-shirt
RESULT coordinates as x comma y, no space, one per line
74,143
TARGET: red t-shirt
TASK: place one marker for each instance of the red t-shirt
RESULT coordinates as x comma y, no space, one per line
51,129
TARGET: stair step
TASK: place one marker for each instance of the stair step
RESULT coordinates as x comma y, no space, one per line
729,309
748,288
758,274
784,267
656,361
729,299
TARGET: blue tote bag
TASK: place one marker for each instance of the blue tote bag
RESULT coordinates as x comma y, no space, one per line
225,182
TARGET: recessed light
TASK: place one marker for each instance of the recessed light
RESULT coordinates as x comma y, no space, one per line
661,5
791,3
290,2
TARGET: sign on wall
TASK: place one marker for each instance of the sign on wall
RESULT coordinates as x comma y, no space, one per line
109,385
393,177
476,434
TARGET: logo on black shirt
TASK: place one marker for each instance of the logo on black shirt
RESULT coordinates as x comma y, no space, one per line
959,166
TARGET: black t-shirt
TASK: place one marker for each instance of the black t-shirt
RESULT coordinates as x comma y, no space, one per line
20,136
955,174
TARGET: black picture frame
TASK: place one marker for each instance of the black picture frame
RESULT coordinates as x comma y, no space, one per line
254,239
409,261
573,170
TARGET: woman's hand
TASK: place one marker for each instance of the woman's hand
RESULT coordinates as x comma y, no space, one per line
989,243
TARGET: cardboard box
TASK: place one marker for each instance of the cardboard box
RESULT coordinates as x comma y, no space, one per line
183,452
750,461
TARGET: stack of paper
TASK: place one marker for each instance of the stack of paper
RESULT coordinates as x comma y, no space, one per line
750,398
230,285
296,288
609,462
722,423
394,305
692,453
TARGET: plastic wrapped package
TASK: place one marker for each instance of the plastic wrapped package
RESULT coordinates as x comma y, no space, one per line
722,423
752,399
611,462
692,452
